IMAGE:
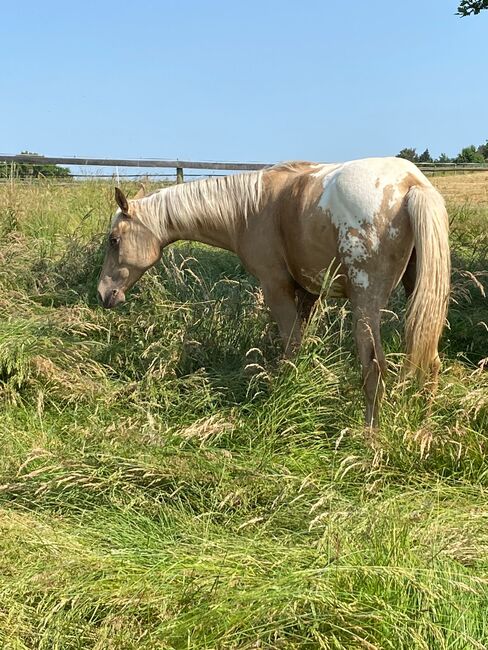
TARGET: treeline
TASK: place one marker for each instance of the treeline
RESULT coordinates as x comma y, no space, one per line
471,154
31,170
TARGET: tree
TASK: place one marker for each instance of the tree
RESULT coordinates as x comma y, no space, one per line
470,155
483,150
471,7
31,170
408,154
444,158
425,157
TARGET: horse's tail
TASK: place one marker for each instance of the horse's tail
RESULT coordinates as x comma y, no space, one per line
427,306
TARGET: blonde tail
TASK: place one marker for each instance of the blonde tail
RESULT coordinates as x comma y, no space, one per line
427,307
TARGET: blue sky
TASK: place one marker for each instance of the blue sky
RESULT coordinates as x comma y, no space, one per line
253,80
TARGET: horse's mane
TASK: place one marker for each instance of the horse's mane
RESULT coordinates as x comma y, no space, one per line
294,166
219,201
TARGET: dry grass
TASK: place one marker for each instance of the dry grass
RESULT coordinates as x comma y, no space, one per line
462,188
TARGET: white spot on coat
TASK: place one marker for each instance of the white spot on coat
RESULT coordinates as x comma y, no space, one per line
352,247
353,203
358,277
353,195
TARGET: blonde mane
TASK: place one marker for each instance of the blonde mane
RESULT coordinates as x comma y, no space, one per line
218,202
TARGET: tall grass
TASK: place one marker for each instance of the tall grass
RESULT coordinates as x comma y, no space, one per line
166,481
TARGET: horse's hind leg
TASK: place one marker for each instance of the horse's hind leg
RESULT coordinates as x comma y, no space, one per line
372,358
305,302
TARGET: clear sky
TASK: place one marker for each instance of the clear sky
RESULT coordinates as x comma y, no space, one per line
250,80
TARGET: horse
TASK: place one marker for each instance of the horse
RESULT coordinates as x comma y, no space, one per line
380,220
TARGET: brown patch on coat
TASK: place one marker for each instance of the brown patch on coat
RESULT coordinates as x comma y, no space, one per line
386,212
409,180
298,207
395,215
287,180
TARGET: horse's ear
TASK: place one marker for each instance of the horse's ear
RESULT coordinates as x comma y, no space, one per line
141,193
121,200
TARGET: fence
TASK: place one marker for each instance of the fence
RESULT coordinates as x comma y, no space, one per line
180,165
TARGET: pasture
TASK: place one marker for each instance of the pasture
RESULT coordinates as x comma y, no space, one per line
166,481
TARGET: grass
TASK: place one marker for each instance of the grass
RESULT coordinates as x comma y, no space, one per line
469,187
167,482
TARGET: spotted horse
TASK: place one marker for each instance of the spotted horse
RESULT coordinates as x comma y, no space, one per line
378,220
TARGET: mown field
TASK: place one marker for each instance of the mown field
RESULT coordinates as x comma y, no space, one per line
167,482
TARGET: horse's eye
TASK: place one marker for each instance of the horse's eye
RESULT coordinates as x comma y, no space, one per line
114,241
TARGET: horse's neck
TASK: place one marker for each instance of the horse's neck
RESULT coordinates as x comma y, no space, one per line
213,214
207,230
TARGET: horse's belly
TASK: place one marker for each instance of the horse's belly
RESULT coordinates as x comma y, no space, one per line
311,255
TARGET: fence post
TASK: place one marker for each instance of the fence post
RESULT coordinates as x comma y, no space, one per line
179,175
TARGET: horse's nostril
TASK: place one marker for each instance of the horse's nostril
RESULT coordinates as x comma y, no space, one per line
115,292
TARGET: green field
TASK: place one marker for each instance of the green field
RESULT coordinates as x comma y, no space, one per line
166,481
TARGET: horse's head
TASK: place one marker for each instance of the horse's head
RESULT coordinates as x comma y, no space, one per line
131,250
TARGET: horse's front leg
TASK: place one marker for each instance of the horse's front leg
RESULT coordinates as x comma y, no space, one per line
279,295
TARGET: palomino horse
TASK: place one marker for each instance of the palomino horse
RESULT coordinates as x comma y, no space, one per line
378,219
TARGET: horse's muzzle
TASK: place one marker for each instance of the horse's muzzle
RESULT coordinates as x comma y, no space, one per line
111,298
